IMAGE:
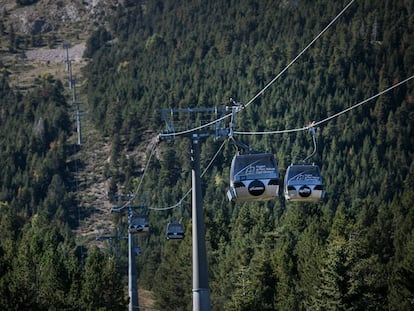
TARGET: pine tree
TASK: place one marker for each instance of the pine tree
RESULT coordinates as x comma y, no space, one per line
101,285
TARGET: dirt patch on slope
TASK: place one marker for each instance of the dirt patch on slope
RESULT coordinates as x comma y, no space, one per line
55,55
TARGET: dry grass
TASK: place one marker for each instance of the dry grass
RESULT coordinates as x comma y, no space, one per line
92,184
26,68
146,300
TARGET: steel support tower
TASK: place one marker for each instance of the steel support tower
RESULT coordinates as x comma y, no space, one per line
201,289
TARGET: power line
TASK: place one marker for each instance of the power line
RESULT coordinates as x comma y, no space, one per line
185,132
300,54
365,101
267,86
189,190
272,132
201,288
132,197
135,194
328,118
290,131
313,124
195,129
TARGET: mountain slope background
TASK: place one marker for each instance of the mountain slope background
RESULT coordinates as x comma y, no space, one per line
353,251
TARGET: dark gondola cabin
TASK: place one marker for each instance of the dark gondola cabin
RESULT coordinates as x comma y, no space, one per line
253,177
138,224
175,231
303,183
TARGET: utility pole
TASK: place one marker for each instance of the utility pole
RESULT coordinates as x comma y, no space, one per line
201,290
133,228
132,271
78,120
111,239
66,46
71,80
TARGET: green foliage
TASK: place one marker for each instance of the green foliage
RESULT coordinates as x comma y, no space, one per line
42,273
96,41
337,255
353,251
173,277
41,267
101,282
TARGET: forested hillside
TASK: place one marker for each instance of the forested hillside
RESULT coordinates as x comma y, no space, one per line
353,251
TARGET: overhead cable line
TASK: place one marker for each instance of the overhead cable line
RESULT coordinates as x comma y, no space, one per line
195,129
273,132
132,197
253,99
300,54
189,191
328,118
166,135
267,86
364,101
313,124
154,146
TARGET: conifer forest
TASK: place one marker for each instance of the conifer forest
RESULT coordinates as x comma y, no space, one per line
354,250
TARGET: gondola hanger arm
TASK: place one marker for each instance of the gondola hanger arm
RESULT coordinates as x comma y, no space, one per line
311,128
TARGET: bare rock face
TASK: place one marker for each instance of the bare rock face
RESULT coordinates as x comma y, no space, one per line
40,26
49,15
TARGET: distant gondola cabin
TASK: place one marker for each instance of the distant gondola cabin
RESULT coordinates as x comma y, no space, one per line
253,177
139,224
303,183
175,231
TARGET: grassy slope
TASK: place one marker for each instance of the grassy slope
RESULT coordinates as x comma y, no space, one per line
27,64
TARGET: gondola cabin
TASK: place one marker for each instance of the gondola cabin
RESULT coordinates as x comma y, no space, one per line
303,183
253,177
138,224
175,231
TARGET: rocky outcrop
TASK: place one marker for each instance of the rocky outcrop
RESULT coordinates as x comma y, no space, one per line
50,15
